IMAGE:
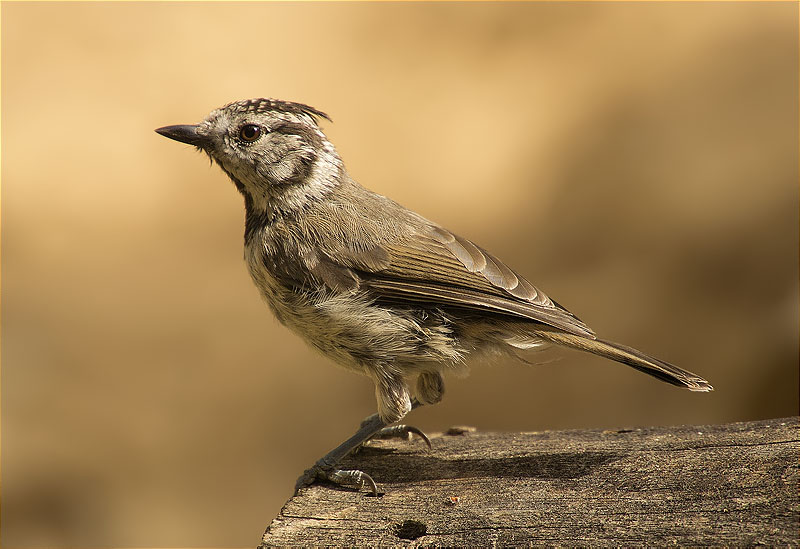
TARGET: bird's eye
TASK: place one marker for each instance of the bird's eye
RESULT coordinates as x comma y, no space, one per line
249,133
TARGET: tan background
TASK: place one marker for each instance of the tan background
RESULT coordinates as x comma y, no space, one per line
637,161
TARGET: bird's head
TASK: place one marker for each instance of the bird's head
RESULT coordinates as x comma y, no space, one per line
274,151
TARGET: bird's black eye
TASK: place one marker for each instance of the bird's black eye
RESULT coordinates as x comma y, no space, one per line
249,133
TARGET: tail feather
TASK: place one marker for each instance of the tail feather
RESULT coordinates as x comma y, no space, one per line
632,357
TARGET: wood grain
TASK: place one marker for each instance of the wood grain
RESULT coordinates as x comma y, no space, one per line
733,484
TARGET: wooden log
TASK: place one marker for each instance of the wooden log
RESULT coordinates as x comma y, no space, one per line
733,484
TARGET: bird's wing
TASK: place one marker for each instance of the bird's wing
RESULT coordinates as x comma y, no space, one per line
434,266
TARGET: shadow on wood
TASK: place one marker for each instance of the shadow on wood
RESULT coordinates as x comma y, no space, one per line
734,484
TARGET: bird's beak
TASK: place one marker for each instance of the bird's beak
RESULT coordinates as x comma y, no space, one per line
185,133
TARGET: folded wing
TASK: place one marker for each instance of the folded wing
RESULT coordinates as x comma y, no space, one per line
434,266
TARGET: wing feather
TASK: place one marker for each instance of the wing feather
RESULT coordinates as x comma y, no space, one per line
423,292
433,265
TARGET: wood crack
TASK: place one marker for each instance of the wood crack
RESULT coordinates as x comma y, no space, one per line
657,487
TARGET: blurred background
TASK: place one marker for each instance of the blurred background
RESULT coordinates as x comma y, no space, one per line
637,161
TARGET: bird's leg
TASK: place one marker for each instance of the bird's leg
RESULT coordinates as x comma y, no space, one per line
325,468
403,432
430,388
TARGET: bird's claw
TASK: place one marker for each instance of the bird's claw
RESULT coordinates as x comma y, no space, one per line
403,432
373,426
342,477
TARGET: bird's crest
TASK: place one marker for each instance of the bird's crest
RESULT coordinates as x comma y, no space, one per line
265,105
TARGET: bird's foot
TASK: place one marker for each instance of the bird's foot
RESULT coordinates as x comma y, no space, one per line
353,477
325,468
403,432
343,477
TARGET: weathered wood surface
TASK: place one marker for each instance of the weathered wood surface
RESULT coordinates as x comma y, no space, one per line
734,484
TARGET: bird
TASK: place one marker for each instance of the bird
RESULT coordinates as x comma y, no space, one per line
376,287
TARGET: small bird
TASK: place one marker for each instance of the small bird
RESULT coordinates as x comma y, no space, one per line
376,287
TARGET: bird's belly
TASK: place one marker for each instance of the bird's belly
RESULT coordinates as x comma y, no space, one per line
354,331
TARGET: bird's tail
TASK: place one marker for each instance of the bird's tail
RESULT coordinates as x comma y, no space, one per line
630,356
